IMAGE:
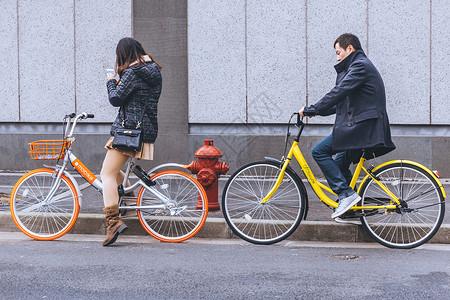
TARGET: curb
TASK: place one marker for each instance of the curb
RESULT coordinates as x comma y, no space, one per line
217,228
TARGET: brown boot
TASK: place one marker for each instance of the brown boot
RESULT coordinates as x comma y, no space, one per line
114,226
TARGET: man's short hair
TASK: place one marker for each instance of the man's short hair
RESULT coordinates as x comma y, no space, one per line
347,39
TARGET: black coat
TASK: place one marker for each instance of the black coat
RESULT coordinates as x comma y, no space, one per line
359,101
139,88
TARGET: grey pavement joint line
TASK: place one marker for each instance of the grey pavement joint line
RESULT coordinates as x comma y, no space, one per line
17,236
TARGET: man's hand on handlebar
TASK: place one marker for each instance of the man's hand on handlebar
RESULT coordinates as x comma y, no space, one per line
302,114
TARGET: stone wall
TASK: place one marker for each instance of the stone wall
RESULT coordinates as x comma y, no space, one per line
54,55
258,61
233,70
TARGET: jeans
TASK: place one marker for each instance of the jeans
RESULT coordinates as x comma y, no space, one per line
336,170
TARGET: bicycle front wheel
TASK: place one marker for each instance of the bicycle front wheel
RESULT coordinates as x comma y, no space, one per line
40,218
184,214
421,215
272,221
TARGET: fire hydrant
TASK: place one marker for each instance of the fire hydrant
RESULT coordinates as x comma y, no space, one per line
208,169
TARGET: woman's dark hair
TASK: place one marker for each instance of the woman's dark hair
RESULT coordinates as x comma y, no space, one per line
347,39
129,51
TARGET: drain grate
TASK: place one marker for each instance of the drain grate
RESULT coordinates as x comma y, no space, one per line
345,256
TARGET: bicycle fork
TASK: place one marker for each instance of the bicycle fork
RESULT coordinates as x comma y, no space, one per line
58,171
46,200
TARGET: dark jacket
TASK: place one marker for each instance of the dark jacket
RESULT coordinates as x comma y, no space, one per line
359,101
138,86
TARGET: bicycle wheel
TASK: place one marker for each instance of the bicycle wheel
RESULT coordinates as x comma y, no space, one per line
263,223
183,216
37,217
420,218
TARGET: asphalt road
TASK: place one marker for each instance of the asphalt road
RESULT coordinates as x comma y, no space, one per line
77,266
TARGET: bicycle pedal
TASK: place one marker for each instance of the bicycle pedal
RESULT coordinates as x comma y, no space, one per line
120,190
122,212
351,215
142,175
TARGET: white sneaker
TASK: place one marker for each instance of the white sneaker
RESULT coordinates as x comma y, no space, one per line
348,221
345,204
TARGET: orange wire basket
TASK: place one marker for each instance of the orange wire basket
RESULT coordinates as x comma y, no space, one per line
48,149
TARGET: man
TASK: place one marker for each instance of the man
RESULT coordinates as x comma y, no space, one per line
359,102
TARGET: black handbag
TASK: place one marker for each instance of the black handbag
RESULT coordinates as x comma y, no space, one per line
128,139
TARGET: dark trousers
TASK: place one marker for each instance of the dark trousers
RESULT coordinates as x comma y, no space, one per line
336,170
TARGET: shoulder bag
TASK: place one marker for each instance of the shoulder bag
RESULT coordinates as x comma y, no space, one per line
129,139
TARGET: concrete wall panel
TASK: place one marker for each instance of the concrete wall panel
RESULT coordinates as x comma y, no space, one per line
46,43
440,62
9,87
326,21
399,45
275,59
216,61
162,30
97,34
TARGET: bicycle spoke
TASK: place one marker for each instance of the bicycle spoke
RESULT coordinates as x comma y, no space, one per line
421,216
183,216
252,220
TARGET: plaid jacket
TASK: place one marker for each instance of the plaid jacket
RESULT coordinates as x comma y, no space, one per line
138,86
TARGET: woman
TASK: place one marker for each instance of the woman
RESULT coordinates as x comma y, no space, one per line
138,89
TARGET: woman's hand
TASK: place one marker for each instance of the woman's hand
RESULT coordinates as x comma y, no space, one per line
110,74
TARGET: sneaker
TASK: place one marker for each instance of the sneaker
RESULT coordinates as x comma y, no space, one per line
348,221
345,204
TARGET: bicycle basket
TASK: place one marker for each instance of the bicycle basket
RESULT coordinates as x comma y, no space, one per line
48,149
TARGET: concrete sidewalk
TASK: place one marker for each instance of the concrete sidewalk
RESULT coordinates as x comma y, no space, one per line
317,227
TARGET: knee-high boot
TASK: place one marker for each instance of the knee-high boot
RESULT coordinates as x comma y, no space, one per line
114,225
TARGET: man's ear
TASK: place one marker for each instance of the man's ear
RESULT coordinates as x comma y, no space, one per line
351,48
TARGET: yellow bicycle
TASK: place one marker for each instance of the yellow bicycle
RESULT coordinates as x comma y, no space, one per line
402,202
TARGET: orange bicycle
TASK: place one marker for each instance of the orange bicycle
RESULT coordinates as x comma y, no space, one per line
171,205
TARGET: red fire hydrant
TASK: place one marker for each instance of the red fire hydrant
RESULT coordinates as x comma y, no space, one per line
208,169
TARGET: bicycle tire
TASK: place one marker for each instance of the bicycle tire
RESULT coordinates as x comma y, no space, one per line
272,222
190,206
39,220
403,228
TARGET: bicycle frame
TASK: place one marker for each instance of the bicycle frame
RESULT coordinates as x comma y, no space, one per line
69,157
319,187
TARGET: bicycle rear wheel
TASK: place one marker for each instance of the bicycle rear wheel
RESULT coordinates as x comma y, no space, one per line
420,218
39,219
185,214
263,223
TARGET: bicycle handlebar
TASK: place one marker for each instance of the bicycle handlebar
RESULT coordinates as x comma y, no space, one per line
299,120
72,115
68,133
80,116
88,116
